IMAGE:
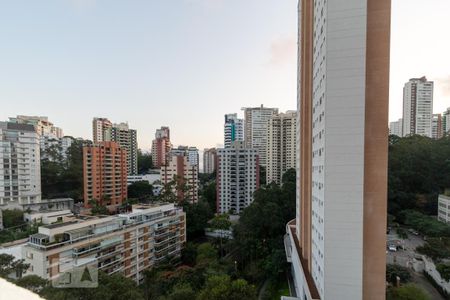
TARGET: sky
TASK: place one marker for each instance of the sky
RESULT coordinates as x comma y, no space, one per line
182,63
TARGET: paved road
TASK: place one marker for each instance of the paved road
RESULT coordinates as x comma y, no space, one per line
420,280
404,258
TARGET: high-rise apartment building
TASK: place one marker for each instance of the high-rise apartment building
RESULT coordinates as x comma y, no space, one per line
20,170
418,107
233,129
446,122
237,177
255,129
185,175
127,139
281,145
105,131
42,125
436,126
101,130
161,147
127,244
105,174
337,242
396,128
209,160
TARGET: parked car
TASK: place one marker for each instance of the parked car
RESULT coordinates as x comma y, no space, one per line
392,248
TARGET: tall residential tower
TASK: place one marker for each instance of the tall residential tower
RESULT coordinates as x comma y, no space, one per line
255,128
418,107
233,130
337,242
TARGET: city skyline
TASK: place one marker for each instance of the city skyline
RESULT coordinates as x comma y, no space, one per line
71,64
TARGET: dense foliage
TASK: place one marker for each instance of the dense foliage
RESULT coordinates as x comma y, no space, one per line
62,177
140,190
258,237
145,162
394,271
407,292
426,225
419,169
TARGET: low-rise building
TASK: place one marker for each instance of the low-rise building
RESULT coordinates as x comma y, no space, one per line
47,217
444,208
126,243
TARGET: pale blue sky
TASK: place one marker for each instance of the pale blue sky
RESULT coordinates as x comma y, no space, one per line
181,63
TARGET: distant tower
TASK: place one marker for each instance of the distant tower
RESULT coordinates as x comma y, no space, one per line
418,107
233,129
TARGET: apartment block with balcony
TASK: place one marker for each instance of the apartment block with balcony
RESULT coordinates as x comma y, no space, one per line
126,243
209,160
237,177
281,145
161,147
20,172
105,174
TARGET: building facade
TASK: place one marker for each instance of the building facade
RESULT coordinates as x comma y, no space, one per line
255,128
42,125
233,130
444,208
20,169
105,131
101,130
127,244
396,128
127,139
105,174
209,160
237,177
161,147
437,130
281,145
337,242
185,176
418,107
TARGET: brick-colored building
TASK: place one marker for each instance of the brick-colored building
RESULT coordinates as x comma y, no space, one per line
161,147
184,173
105,173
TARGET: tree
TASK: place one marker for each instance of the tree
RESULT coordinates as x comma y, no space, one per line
33,283
9,265
407,292
182,291
197,216
206,253
140,190
394,271
444,271
113,287
209,195
221,223
12,218
220,287
145,162
62,177
97,208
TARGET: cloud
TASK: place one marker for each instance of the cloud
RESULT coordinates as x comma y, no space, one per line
283,51
443,84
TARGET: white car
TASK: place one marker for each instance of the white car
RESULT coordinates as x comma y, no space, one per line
392,248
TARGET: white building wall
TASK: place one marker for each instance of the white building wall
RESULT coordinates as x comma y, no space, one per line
20,170
237,177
